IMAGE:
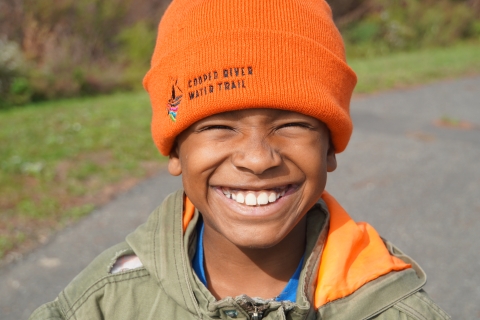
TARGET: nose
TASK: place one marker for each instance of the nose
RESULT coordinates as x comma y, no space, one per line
256,155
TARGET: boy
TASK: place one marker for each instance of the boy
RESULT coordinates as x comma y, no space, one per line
250,101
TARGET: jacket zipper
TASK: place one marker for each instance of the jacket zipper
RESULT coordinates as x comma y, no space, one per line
255,314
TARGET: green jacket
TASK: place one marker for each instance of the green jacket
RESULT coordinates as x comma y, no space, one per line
167,288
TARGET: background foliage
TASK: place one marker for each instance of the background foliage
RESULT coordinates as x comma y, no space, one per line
62,48
379,27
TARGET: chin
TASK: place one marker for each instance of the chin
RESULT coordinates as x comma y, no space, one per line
257,244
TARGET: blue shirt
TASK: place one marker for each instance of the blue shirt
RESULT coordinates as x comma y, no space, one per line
289,292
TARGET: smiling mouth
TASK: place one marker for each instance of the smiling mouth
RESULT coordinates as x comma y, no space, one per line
255,198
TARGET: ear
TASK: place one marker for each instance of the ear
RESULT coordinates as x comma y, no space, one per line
174,164
331,159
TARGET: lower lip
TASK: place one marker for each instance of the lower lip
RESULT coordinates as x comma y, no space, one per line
259,210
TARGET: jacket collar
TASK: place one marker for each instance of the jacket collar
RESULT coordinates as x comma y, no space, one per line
160,245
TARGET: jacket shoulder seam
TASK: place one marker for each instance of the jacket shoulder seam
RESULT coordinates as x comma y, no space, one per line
49,306
68,305
89,292
433,305
404,307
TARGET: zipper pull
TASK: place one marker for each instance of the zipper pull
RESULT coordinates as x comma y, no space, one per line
256,315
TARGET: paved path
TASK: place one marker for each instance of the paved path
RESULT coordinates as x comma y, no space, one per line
417,183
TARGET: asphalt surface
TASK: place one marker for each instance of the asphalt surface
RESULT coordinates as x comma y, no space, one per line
416,182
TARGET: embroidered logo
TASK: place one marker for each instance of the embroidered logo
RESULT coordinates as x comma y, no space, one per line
214,81
174,101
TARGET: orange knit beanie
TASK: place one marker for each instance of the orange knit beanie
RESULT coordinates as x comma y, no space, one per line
213,56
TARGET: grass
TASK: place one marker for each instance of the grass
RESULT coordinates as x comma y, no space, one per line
58,160
418,67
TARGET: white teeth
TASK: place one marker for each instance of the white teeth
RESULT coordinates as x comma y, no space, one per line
251,200
240,197
262,198
272,197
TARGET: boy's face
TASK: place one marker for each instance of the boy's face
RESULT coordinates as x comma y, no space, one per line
276,159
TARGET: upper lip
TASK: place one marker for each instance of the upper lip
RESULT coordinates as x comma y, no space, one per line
250,187
255,184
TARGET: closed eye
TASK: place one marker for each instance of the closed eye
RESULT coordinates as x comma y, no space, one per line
215,127
296,125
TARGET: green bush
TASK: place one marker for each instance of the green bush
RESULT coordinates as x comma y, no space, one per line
137,43
401,25
14,86
75,47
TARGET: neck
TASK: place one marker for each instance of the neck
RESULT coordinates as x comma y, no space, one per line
256,272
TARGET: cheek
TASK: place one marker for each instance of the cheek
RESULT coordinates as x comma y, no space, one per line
311,156
203,154
198,165
314,166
